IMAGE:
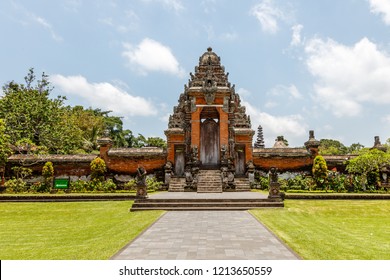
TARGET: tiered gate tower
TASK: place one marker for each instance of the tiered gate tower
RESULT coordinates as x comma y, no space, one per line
209,129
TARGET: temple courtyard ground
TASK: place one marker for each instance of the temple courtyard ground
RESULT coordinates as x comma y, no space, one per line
314,229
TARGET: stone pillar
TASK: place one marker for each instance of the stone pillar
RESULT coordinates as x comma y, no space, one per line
195,127
223,127
251,172
312,144
105,144
378,145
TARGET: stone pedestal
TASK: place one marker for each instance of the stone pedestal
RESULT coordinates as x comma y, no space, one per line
142,192
274,190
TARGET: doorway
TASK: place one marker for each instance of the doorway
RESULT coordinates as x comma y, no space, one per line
209,143
240,160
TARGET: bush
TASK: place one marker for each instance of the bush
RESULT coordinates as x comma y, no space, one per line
40,187
131,185
21,172
152,184
337,182
79,186
16,186
98,168
48,174
99,186
320,171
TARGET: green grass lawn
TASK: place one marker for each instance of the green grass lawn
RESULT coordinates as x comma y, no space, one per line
69,230
332,230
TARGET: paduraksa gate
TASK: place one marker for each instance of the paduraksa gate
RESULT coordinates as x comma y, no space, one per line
209,135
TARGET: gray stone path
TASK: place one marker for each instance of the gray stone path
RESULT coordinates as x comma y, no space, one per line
206,235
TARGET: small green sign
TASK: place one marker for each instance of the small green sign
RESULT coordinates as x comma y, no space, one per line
61,183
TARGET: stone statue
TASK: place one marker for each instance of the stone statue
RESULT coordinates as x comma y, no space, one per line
141,182
273,176
274,186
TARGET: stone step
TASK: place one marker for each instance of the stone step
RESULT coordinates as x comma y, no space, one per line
209,181
177,184
205,204
242,184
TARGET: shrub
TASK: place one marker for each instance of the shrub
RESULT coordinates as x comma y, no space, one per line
337,182
98,168
105,186
40,187
130,185
16,185
21,172
320,171
79,186
152,184
48,174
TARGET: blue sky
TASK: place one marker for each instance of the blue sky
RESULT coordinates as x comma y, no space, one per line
298,65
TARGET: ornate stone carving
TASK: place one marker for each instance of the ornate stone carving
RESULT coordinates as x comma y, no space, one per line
274,186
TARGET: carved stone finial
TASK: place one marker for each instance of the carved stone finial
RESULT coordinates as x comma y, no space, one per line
209,49
378,145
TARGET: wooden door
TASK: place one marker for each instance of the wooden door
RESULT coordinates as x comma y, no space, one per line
179,161
209,143
240,160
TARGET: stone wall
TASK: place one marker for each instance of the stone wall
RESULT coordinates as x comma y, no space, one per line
64,165
127,160
284,159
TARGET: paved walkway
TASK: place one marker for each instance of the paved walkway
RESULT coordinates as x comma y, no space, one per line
206,235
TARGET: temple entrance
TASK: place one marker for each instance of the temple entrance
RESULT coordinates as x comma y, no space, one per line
209,143
240,160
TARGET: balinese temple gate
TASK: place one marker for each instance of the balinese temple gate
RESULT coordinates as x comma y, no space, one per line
209,135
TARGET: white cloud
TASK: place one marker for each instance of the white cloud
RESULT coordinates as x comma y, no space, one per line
129,22
175,5
281,90
296,36
291,126
103,95
45,24
244,92
208,6
152,56
228,36
268,15
381,7
386,119
348,77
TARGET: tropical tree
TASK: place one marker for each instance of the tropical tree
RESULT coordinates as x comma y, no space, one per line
368,164
332,147
5,150
30,114
355,148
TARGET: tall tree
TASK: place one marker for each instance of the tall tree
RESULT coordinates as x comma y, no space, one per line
30,114
332,147
369,163
5,150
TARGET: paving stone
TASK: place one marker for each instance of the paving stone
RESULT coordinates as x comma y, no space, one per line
203,235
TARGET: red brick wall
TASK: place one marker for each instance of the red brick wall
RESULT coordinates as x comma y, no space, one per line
124,165
285,163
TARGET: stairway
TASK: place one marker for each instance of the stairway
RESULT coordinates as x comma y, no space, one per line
203,204
209,181
242,184
177,184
